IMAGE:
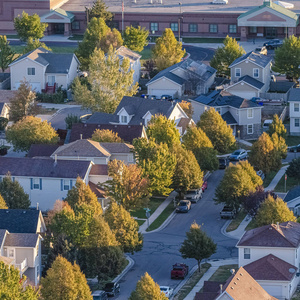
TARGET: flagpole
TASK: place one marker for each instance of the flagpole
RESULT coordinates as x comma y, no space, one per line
122,16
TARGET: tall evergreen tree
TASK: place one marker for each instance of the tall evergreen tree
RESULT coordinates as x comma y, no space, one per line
100,10
135,38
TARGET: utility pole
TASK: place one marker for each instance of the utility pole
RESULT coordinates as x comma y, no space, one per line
179,20
122,16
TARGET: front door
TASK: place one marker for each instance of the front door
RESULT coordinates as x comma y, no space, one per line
270,32
58,28
51,80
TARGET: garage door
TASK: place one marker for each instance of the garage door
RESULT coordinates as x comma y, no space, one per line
159,93
246,95
35,86
273,290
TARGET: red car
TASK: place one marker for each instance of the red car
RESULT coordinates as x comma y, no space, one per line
179,271
204,186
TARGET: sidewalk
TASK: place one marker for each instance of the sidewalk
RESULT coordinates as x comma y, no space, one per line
276,179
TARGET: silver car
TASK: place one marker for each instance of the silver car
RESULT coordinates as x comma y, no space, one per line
238,155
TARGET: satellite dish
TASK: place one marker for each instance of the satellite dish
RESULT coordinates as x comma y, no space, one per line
292,271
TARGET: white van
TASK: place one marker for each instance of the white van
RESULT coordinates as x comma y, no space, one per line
267,124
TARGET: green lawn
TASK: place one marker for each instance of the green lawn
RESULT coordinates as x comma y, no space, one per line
269,177
223,273
235,223
290,183
153,204
56,49
140,222
292,140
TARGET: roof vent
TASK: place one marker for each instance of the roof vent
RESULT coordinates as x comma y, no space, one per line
7,211
37,206
85,125
221,288
241,274
232,288
237,278
99,125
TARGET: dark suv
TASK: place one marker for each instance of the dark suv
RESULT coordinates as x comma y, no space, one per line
273,44
112,288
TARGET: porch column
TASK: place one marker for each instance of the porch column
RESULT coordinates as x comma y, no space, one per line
67,31
243,33
291,31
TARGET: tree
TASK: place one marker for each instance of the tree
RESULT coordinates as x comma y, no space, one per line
106,136
197,245
279,145
100,10
147,289
167,50
163,130
287,58
65,281
2,203
158,164
124,227
263,154
23,102
196,138
187,107
226,55
33,44
207,158
246,166
3,123
277,127
72,119
135,38
14,194
272,211
217,130
7,55
109,82
294,168
30,130
127,185
29,26
12,287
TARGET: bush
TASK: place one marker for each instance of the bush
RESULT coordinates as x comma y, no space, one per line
3,123
58,97
72,119
294,168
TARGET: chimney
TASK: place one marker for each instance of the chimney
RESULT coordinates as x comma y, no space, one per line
81,136
37,206
232,271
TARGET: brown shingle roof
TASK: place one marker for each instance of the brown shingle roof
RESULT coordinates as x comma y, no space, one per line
6,95
99,170
21,240
100,193
117,147
286,234
37,150
271,267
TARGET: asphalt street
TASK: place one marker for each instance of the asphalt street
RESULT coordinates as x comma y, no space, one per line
161,249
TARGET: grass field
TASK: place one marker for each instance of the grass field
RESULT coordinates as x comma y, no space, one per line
223,273
269,177
235,223
290,183
292,140
153,204
56,49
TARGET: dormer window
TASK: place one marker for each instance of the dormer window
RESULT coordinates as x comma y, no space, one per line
124,119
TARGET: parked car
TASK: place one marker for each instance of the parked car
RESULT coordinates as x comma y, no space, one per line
228,212
273,44
167,291
294,148
152,97
166,97
219,2
145,96
238,155
179,271
183,206
262,50
223,163
194,195
204,186
112,288
267,124
261,174
99,295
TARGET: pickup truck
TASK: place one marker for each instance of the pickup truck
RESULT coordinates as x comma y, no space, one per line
194,195
179,271
228,212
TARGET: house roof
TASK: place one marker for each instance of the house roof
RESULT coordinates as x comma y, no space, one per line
38,167
99,170
271,267
252,81
125,52
2,235
102,118
283,235
2,106
82,148
6,260
210,290
44,150
228,118
294,95
258,59
19,220
100,193
21,240
6,95
184,123
126,132
117,147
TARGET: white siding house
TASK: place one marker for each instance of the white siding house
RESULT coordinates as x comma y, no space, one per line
294,113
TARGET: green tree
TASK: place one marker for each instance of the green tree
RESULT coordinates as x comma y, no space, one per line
7,55
158,164
294,168
29,26
106,136
272,211
147,289
277,127
217,130
109,82
2,203
163,130
14,194
246,166
167,50
65,281
135,38
226,55
287,58
30,130
280,145
100,10
11,287
23,102
33,44
197,245
3,123
263,154
124,227
72,119
127,185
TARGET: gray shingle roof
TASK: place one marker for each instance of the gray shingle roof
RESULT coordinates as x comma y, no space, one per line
259,59
41,150
118,147
252,81
102,118
125,52
2,235
229,119
37,167
21,240
294,95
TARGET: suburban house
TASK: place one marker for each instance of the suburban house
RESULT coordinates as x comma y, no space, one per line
244,116
134,58
44,70
187,77
250,75
20,241
4,110
45,180
271,255
139,111
239,286
294,113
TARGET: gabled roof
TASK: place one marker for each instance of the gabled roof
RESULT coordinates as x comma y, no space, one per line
113,148
102,118
271,267
229,119
258,59
7,260
283,235
38,167
100,193
125,52
99,170
44,150
2,106
252,81
294,95
20,220
26,240
2,236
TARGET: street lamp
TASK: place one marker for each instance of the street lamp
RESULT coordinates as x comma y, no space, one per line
180,6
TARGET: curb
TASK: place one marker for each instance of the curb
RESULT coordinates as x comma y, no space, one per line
163,225
128,267
223,230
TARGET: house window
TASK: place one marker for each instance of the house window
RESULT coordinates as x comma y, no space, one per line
36,183
253,29
296,107
297,122
11,253
237,72
66,185
76,25
174,26
213,28
250,113
124,119
31,71
154,27
130,158
250,129
255,72
193,28
232,28
246,253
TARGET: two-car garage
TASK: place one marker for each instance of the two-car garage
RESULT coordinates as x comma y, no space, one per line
35,86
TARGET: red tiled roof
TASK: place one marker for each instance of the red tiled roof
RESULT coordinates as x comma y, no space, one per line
99,170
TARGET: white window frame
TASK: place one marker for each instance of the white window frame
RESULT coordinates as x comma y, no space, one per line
213,28
238,70
254,72
36,183
250,131
297,124
296,107
124,119
250,113
48,81
31,71
193,27
130,157
66,185
246,253
9,252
